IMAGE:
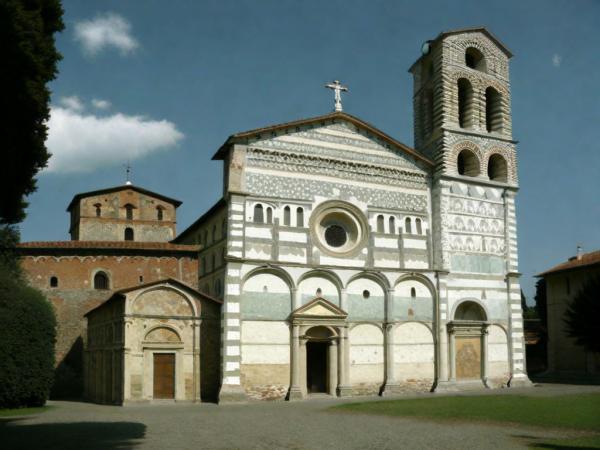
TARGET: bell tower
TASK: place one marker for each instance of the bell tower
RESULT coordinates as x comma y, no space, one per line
462,122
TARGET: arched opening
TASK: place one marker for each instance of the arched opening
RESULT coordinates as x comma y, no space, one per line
269,215
380,224
159,213
98,209
129,211
300,217
419,226
475,59
470,311
317,361
101,281
129,234
408,225
497,168
493,110
467,163
258,214
392,225
465,103
287,216
53,282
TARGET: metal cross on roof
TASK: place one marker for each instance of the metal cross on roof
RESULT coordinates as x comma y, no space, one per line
337,88
127,173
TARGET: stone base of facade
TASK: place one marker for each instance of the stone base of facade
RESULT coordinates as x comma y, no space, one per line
390,389
232,393
457,386
344,391
295,393
520,380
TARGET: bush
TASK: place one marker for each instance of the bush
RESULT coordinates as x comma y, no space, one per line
27,337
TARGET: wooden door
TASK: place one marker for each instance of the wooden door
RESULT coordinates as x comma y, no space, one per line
164,375
468,357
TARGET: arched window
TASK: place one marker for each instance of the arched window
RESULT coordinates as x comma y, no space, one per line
418,226
392,225
258,214
467,163
159,213
98,209
465,103
380,224
493,110
286,216
101,281
129,234
497,169
53,282
300,217
408,225
129,212
269,215
413,292
475,59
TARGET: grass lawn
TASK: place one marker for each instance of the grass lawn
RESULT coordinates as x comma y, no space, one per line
23,411
575,412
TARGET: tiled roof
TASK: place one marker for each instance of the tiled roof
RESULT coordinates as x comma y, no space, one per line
587,259
108,245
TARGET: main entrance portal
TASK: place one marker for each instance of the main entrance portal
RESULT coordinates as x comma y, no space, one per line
164,375
316,366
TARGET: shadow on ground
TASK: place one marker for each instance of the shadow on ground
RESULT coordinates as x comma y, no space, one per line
14,434
587,442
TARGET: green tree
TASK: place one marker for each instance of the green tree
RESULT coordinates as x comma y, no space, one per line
29,60
540,301
582,315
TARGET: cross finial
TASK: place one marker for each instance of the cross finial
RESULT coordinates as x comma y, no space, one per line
127,173
338,89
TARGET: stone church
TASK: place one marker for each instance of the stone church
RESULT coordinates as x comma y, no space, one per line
341,261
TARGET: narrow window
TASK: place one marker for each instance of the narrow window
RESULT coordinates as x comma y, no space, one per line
258,214
413,292
497,170
493,110
380,225
53,282
224,228
465,103
205,240
218,288
475,59
392,225
203,266
300,217
213,260
129,212
223,256
100,281
418,226
286,216
159,213
269,215
98,209
214,233
129,234
408,226
467,163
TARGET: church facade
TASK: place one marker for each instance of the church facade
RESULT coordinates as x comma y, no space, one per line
350,263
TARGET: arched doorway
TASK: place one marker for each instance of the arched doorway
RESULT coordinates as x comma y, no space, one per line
468,342
319,360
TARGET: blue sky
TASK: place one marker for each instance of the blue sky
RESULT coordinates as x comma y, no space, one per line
164,83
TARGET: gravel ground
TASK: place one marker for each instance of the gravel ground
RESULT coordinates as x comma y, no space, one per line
262,425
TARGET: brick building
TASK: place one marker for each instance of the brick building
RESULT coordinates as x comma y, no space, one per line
120,239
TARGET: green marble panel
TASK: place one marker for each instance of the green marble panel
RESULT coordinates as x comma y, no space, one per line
265,305
360,308
477,264
413,308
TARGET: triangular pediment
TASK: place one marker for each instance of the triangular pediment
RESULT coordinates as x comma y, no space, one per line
319,307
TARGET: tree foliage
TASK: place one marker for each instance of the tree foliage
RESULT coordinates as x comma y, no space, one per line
582,315
541,304
29,60
27,337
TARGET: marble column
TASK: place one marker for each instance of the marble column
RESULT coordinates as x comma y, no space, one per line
344,389
390,377
452,356
295,392
484,355
332,369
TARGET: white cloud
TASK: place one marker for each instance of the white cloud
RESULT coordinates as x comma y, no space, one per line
73,103
84,142
106,30
100,104
556,60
